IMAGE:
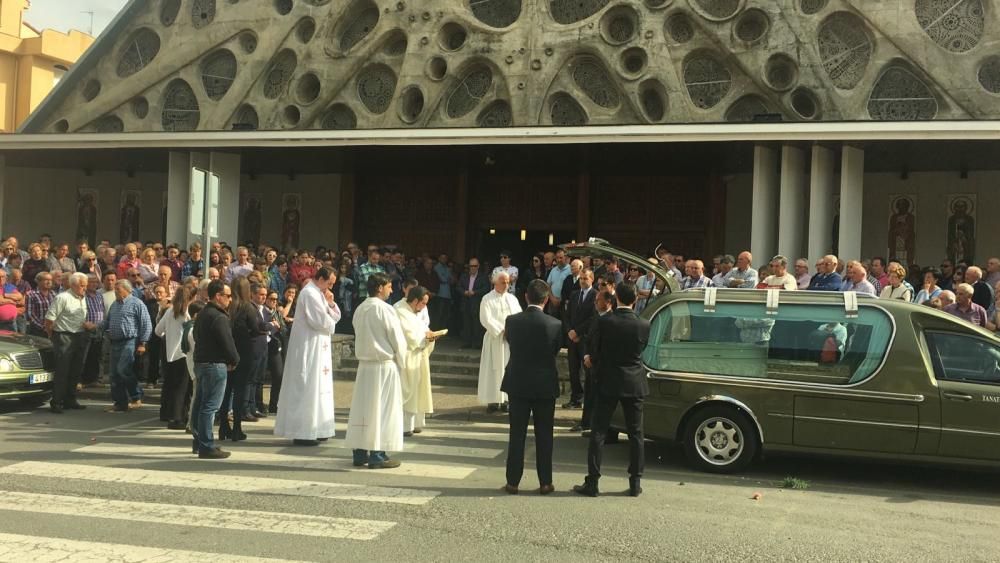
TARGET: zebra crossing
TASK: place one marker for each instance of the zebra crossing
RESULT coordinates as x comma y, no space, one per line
158,462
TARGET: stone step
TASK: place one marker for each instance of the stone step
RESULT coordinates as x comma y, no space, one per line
442,379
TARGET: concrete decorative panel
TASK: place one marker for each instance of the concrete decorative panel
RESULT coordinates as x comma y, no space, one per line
140,50
899,95
956,25
496,13
845,49
180,65
180,107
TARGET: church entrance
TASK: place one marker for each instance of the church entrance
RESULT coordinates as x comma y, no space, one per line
522,244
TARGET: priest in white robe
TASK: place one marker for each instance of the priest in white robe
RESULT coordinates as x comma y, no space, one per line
496,306
415,376
423,315
305,407
375,425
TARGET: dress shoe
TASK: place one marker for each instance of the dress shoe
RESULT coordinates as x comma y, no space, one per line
387,464
572,405
74,406
238,436
305,442
250,418
509,489
634,488
321,439
217,453
587,489
505,406
547,489
56,409
407,434
176,425
418,430
492,408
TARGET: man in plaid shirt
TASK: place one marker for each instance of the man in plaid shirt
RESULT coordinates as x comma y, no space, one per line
95,314
38,304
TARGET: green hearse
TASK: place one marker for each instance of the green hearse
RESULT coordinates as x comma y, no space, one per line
26,366
734,373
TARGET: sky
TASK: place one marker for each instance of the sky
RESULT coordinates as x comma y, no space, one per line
63,15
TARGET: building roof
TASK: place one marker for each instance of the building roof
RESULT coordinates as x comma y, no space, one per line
322,64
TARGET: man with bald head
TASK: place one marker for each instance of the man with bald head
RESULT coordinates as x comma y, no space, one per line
826,278
494,309
982,291
992,272
742,276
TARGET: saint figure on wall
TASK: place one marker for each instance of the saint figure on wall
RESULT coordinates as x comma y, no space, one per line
252,219
128,226
86,216
902,228
290,221
962,228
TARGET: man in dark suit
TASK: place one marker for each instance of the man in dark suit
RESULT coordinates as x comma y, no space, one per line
531,381
616,350
580,314
473,285
602,305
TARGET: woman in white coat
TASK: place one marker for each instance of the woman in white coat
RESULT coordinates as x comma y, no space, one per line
176,381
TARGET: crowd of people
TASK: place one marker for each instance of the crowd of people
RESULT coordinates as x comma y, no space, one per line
212,327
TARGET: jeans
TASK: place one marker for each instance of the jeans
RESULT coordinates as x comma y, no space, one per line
211,381
371,458
8,325
124,381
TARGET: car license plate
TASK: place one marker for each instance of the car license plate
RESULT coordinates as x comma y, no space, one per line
39,378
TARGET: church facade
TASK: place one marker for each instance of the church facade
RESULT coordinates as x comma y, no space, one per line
793,126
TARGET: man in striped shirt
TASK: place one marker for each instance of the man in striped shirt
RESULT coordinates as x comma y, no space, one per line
95,315
128,327
39,301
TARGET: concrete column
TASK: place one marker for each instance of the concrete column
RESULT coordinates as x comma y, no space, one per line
821,211
227,166
3,193
764,212
792,204
852,178
178,197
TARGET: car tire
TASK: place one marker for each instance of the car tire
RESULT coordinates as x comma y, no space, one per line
720,439
35,401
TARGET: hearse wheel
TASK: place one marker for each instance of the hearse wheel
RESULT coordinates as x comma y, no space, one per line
720,439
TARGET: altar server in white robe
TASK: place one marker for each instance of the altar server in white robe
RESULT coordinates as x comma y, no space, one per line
423,315
305,407
415,376
496,306
376,422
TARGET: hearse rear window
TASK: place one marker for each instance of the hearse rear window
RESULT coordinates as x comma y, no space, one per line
802,343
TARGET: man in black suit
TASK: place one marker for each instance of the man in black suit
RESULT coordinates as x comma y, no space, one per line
602,305
580,314
473,285
531,381
616,350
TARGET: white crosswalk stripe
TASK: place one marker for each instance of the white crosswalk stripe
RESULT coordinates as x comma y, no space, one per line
410,445
445,450
220,482
222,518
341,463
15,548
